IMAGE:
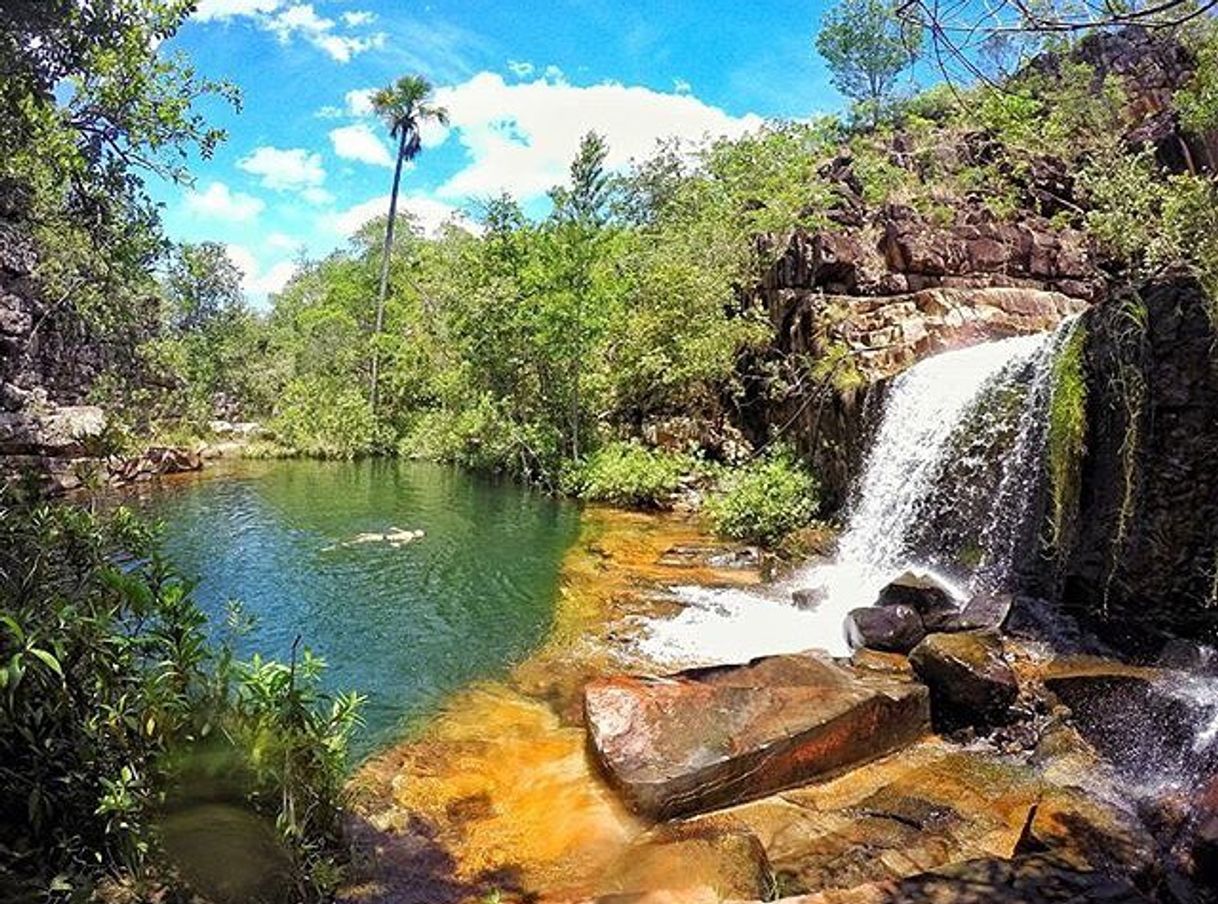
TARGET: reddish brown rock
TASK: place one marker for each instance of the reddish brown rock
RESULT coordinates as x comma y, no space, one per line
705,739
970,681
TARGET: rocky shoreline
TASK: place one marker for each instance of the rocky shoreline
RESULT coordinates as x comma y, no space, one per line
987,765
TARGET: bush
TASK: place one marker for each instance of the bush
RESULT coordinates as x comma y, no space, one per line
629,474
323,417
765,500
109,685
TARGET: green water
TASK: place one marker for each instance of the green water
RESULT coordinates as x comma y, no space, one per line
402,625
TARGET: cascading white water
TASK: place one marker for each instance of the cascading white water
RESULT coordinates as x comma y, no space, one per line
918,442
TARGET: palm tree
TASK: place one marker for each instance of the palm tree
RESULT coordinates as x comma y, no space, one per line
404,106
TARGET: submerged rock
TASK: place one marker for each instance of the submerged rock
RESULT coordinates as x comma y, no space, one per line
705,739
809,598
892,629
682,865
970,682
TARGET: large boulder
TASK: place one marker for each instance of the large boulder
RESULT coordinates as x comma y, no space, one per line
705,739
893,629
923,593
1142,719
969,679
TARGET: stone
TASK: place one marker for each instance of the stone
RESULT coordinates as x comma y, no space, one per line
808,598
893,628
923,593
689,864
983,612
1188,656
59,432
155,461
710,738
1138,718
1035,879
970,682
1204,840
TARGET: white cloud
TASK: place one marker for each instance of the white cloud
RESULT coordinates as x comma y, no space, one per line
681,86
282,242
521,137
359,101
359,142
318,196
520,68
429,214
256,282
288,20
210,10
553,73
219,202
285,169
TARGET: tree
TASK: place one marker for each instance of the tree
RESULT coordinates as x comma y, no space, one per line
405,107
580,212
202,284
867,47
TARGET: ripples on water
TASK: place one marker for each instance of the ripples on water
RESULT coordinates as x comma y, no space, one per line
402,624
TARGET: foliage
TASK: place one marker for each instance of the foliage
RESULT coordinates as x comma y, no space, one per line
1067,435
323,417
867,46
631,475
108,681
765,500
1198,101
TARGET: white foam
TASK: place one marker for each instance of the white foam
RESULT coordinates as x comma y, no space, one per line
923,410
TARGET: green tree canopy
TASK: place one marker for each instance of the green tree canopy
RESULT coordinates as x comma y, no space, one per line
867,48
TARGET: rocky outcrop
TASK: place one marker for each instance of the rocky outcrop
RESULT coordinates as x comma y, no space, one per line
1139,556
1150,69
705,739
864,308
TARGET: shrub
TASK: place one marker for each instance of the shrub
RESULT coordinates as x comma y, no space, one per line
108,685
324,417
631,475
765,500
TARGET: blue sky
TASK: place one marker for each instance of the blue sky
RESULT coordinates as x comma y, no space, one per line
306,164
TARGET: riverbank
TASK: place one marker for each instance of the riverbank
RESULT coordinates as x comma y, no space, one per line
499,797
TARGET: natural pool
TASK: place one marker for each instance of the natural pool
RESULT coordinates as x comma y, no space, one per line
403,623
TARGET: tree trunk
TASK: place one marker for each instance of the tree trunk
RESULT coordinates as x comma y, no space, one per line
388,250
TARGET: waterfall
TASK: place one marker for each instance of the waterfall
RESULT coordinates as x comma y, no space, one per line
945,489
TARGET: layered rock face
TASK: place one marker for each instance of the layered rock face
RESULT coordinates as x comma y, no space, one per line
866,312
49,362
1141,551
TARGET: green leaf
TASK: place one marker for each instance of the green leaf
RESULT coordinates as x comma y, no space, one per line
47,659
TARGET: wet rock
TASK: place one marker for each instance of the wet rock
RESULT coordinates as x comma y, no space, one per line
684,865
879,661
808,598
985,611
1188,656
1140,719
893,628
1204,843
925,595
970,682
1025,880
1089,834
704,739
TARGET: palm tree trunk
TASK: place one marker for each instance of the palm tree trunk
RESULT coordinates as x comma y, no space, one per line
384,287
